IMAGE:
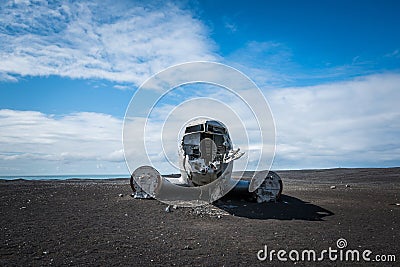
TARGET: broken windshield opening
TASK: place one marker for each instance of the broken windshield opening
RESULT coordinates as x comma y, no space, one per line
195,128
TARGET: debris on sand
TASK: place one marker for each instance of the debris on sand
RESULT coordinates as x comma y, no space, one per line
347,185
168,208
333,187
121,195
209,210
187,247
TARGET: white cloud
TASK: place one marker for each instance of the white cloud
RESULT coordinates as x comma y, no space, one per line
30,139
118,41
343,124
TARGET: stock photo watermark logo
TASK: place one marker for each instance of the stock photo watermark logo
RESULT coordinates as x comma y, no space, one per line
171,99
340,253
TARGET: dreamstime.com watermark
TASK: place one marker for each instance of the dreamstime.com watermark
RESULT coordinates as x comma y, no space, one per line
340,253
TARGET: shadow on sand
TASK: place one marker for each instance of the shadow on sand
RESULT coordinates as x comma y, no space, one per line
287,208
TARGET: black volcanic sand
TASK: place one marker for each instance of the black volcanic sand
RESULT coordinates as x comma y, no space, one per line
86,222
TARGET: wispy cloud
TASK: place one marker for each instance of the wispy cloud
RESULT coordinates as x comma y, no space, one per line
229,24
275,64
394,54
119,41
265,62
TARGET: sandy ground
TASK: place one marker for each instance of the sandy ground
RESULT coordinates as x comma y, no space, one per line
86,222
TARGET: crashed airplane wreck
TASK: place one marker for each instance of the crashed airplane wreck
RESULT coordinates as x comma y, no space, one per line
206,158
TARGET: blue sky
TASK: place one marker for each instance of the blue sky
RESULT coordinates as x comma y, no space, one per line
330,71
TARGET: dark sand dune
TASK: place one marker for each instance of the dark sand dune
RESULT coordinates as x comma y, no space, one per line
86,222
